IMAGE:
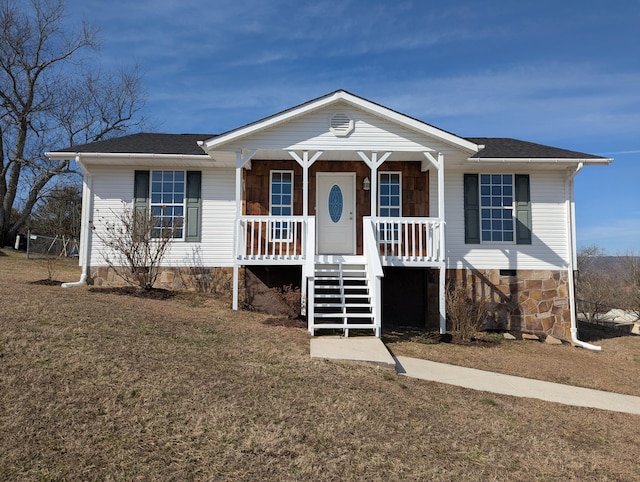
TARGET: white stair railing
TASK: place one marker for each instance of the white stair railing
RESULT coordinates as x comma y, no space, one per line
374,272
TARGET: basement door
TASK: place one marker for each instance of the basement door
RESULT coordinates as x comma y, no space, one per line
335,212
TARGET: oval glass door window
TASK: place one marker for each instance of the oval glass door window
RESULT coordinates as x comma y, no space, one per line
335,203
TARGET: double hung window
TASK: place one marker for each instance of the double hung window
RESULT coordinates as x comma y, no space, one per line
281,204
497,208
167,203
389,203
172,199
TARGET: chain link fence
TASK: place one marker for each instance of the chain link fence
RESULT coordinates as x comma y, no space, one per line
41,246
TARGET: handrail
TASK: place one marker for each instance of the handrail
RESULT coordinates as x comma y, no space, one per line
371,247
310,248
374,271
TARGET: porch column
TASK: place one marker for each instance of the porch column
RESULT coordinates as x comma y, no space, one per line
306,164
439,165
241,160
374,163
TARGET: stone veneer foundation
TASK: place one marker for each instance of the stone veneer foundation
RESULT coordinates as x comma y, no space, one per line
531,301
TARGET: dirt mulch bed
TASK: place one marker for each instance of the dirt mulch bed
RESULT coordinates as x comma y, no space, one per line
152,294
417,335
47,282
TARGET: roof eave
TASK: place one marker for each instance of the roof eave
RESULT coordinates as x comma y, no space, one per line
539,160
123,155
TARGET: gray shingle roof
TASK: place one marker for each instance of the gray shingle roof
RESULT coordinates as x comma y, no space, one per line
186,144
505,148
146,143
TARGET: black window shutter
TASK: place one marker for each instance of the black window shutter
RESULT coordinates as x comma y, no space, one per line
471,209
523,209
194,206
141,194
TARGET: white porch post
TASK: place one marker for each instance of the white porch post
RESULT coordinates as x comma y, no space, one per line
443,311
439,165
306,164
374,163
240,162
374,184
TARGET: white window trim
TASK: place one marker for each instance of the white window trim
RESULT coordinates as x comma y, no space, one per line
184,199
396,229
513,207
272,227
380,174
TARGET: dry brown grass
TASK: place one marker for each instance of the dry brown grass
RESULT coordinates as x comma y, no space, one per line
96,386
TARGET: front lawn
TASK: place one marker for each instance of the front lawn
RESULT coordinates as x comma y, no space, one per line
96,385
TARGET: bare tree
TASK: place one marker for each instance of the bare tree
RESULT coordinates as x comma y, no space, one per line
135,244
630,274
58,213
597,283
49,97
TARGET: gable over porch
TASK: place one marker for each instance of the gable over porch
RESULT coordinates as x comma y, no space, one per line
340,178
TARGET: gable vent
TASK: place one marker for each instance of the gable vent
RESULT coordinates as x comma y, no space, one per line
340,125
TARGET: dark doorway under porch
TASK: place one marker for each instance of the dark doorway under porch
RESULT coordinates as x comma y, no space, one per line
410,298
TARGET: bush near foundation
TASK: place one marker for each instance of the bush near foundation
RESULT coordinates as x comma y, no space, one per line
465,314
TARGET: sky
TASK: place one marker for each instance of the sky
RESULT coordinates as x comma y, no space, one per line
564,73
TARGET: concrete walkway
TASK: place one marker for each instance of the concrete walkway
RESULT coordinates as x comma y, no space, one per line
371,349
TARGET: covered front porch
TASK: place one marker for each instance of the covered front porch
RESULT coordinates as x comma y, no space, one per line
341,248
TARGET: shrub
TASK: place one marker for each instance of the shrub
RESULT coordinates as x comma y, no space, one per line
134,246
465,314
288,297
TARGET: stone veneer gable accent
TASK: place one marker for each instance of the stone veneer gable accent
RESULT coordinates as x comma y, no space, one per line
532,301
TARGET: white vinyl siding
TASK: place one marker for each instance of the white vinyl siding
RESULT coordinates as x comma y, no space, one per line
114,186
370,133
549,243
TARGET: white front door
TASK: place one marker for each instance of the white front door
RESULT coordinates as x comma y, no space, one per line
335,212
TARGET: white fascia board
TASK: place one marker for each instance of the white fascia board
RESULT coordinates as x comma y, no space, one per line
120,155
378,110
540,160
92,156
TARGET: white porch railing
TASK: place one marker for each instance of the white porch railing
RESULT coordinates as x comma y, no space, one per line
289,239
410,240
271,238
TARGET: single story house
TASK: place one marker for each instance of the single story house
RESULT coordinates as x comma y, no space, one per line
368,211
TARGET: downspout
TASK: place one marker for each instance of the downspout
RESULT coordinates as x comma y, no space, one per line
571,267
87,208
